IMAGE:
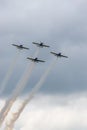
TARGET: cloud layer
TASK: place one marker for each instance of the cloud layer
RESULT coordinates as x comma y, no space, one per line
53,112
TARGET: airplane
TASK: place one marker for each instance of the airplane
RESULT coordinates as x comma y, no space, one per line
58,55
35,59
41,44
20,47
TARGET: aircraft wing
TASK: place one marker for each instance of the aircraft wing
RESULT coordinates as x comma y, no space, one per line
64,56
53,53
25,48
15,45
40,61
46,46
35,43
30,58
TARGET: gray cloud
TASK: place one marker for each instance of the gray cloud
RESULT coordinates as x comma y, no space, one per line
62,25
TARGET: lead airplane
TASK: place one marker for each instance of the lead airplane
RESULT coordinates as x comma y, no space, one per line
41,44
58,55
20,47
35,59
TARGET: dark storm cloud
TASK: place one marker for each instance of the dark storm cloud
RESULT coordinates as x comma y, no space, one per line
62,25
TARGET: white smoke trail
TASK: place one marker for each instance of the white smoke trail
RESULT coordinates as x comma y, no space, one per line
9,73
19,87
16,115
21,84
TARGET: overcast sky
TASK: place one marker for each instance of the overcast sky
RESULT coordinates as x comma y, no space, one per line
61,24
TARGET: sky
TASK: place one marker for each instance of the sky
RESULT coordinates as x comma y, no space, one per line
63,26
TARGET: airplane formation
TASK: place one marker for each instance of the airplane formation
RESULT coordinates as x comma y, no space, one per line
41,45
22,84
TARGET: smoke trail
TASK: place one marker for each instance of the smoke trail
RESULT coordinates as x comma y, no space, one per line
16,93
16,115
9,73
20,86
